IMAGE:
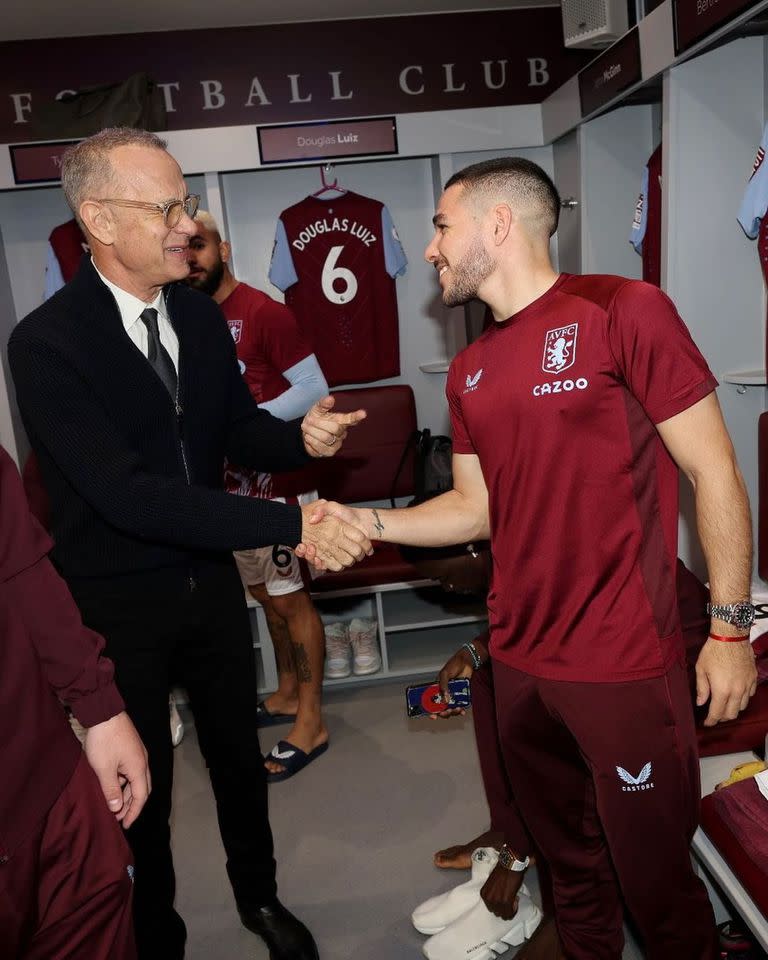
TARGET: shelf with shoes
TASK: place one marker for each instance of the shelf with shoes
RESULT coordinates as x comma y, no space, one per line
417,626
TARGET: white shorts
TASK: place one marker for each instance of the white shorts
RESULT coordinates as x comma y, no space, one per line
277,567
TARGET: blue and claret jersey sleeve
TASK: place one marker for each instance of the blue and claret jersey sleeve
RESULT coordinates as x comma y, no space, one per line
640,219
282,272
755,202
394,256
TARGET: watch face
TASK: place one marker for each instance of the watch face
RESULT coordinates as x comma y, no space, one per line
743,615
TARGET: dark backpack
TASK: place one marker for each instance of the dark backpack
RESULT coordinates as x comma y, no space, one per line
432,472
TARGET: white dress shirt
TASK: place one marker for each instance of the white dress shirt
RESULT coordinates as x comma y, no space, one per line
131,308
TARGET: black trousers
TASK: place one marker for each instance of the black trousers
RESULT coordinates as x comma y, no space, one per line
159,627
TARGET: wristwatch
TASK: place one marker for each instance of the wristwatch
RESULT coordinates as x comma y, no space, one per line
509,861
741,614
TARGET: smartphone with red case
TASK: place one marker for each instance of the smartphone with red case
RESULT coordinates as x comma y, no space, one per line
422,699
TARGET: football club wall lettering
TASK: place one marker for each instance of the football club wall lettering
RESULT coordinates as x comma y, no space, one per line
304,71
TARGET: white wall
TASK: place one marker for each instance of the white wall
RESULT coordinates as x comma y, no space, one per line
614,150
713,119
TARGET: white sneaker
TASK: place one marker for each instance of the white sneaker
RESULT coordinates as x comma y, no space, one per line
177,724
338,653
365,650
479,935
436,913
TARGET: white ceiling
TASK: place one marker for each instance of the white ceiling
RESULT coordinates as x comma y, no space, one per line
34,19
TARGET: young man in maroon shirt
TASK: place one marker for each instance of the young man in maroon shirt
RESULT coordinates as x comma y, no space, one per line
65,868
571,416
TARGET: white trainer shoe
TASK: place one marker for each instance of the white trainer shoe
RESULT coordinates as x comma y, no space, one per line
479,935
177,724
338,653
436,913
366,657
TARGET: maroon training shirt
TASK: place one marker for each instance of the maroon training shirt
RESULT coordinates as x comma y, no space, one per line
559,403
268,341
47,657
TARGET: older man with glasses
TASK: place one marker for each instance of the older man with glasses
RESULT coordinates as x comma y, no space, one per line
131,395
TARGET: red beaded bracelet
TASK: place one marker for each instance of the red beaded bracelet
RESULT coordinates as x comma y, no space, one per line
716,636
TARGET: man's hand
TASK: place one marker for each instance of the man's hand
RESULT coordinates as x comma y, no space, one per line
320,512
324,431
499,892
726,673
118,757
330,543
459,666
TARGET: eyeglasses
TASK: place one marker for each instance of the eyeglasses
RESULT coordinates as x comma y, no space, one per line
171,209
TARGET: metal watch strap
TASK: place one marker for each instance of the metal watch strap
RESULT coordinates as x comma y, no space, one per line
741,613
509,861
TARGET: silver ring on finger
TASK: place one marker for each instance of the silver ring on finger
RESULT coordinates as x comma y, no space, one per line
332,441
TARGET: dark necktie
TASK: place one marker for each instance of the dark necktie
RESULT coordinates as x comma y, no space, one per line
157,355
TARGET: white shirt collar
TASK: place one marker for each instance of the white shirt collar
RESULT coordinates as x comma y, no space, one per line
130,307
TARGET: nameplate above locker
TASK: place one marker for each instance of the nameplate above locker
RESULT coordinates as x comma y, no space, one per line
613,71
37,163
283,143
694,19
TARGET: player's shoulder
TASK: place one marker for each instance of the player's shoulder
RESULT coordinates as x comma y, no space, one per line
253,304
470,357
608,291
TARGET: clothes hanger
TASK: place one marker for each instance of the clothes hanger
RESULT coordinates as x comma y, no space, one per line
326,170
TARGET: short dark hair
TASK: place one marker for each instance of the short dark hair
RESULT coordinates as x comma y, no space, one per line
516,178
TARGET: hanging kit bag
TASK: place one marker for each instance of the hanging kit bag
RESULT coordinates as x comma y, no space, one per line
136,102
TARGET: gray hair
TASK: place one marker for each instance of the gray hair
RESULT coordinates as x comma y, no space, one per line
520,181
86,168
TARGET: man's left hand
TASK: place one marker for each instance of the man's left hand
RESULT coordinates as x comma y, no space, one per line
726,676
324,431
500,891
118,758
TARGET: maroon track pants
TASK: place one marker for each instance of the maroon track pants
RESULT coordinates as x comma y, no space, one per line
66,893
606,777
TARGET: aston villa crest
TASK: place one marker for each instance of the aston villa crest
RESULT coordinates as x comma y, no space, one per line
560,349
236,329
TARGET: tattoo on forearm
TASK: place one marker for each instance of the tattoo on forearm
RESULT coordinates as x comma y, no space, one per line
377,524
303,668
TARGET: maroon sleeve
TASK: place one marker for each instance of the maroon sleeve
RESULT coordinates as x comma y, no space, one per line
69,653
654,352
459,434
284,345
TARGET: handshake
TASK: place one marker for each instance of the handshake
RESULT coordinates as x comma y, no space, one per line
334,536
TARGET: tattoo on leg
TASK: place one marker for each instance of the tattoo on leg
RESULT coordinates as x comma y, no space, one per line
303,669
284,659
378,525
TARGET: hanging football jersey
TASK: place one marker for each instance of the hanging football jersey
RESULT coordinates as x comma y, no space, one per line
645,235
336,259
66,246
751,214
